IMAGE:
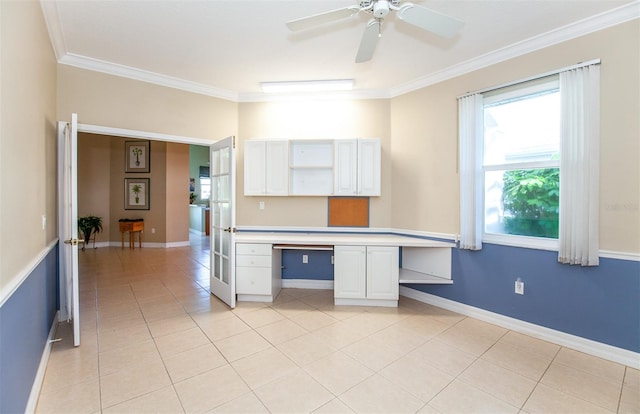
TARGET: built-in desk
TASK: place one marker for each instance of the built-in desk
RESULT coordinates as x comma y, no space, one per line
367,267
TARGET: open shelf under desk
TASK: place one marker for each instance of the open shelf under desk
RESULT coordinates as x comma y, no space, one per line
410,276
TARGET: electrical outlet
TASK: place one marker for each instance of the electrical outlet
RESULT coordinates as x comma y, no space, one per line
153,230
44,222
305,258
261,205
519,288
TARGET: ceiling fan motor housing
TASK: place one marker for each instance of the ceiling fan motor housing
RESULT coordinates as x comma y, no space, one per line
380,8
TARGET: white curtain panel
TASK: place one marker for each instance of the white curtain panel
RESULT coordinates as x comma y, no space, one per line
471,184
579,166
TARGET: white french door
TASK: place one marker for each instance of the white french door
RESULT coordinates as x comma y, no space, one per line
223,220
68,224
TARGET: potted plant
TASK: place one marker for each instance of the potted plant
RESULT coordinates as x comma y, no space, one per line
89,225
192,198
136,190
137,152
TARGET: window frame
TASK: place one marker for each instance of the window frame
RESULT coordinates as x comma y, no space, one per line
493,97
202,192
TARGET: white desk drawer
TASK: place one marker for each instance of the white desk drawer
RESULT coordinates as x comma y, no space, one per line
262,249
253,280
254,261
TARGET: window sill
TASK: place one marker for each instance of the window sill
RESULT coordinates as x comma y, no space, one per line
538,243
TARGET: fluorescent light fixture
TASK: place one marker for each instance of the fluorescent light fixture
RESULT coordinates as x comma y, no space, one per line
307,86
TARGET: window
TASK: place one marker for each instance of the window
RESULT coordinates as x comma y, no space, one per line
205,183
521,160
205,188
529,164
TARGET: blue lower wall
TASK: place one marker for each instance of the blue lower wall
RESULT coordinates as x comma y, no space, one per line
600,303
25,321
318,268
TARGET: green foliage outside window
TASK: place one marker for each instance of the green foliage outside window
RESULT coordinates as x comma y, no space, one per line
531,200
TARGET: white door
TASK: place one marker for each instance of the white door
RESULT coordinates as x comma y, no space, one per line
382,272
350,272
346,167
254,166
277,168
223,220
68,224
369,159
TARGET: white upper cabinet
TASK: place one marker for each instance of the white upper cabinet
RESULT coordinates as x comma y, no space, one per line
277,178
357,167
311,167
265,167
254,165
369,167
344,167
346,171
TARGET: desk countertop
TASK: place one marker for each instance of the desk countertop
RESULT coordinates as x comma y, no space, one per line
337,239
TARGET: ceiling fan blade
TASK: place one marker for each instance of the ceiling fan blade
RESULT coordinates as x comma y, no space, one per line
369,41
430,20
318,19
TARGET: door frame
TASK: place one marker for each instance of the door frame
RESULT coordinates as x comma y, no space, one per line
153,136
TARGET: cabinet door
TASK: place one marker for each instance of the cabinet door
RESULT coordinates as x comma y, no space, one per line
254,165
369,161
349,272
382,272
346,167
277,168
253,280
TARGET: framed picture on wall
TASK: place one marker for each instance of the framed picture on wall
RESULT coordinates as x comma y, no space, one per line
136,156
136,194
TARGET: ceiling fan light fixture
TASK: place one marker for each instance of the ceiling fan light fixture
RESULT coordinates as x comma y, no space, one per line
329,85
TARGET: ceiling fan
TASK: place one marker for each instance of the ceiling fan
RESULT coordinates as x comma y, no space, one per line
422,17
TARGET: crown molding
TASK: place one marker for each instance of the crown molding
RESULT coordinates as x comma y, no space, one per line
54,27
583,27
97,65
601,21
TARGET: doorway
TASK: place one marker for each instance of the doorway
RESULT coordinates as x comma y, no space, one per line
101,178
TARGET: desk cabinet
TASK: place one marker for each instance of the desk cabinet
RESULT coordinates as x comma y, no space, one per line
366,275
257,272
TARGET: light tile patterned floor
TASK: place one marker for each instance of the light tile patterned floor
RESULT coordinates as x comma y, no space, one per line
155,341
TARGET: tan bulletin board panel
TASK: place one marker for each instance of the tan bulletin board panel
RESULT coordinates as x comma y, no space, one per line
348,211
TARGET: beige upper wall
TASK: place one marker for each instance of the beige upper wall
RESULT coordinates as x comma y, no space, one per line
311,120
28,144
116,102
424,130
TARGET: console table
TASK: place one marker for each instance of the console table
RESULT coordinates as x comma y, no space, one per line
132,226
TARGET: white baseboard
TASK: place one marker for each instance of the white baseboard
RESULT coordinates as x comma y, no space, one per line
307,284
150,245
588,346
42,368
